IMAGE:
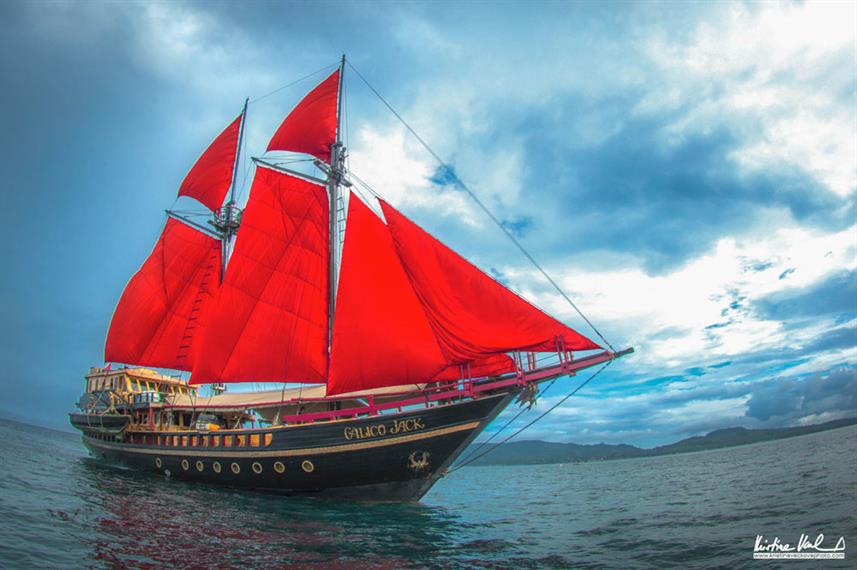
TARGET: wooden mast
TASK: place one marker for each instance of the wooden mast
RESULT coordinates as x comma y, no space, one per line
334,177
230,216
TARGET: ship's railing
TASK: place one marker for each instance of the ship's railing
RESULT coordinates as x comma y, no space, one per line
434,394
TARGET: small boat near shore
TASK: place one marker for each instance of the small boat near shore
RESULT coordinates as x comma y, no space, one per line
398,350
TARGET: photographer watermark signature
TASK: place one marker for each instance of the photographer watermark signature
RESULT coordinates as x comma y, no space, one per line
803,550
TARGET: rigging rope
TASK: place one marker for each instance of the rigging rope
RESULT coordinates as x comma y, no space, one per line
507,424
295,82
450,173
472,458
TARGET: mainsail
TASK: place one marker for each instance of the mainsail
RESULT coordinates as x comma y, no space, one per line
165,304
269,323
380,333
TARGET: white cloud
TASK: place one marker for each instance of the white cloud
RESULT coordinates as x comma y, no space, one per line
632,305
386,161
777,72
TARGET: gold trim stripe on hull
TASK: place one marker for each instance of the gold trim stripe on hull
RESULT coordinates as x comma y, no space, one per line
198,452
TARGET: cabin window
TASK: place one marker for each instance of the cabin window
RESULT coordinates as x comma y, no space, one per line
227,441
184,441
175,441
215,441
242,440
268,438
254,440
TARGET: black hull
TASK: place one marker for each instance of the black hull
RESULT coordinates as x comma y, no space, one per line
393,457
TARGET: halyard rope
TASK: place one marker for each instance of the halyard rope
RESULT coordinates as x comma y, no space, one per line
507,424
549,410
457,182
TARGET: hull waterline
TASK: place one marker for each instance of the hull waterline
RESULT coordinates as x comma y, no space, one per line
392,457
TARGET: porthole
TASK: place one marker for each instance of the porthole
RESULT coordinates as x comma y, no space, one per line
216,467
235,468
308,466
158,462
257,468
200,466
279,467
185,464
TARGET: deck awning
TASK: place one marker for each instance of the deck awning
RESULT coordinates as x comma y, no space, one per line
261,399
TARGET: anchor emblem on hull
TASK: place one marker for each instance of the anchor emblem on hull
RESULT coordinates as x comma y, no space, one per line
418,460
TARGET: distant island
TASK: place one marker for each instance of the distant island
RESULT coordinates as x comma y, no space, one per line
535,452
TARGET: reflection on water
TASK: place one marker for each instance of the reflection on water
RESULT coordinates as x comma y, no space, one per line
60,509
144,518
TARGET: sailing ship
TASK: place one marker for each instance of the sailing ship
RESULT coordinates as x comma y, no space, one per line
398,351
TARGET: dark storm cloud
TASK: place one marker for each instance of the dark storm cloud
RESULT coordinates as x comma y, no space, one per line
787,400
834,295
664,199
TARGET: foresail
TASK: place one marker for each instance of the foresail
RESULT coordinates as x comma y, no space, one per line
380,334
311,126
164,308
270,319
211,175
472,315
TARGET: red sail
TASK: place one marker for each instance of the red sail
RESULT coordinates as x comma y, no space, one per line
269,322
311,126
210,178
380,334
163,309
472,315
490,366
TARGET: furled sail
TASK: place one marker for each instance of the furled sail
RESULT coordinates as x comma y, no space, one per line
164,308
269,321
380,334
489,366
471,314
311,126
211,175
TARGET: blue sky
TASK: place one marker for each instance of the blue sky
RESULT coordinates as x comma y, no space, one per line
686,171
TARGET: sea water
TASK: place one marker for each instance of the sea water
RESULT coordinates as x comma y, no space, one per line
61,509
